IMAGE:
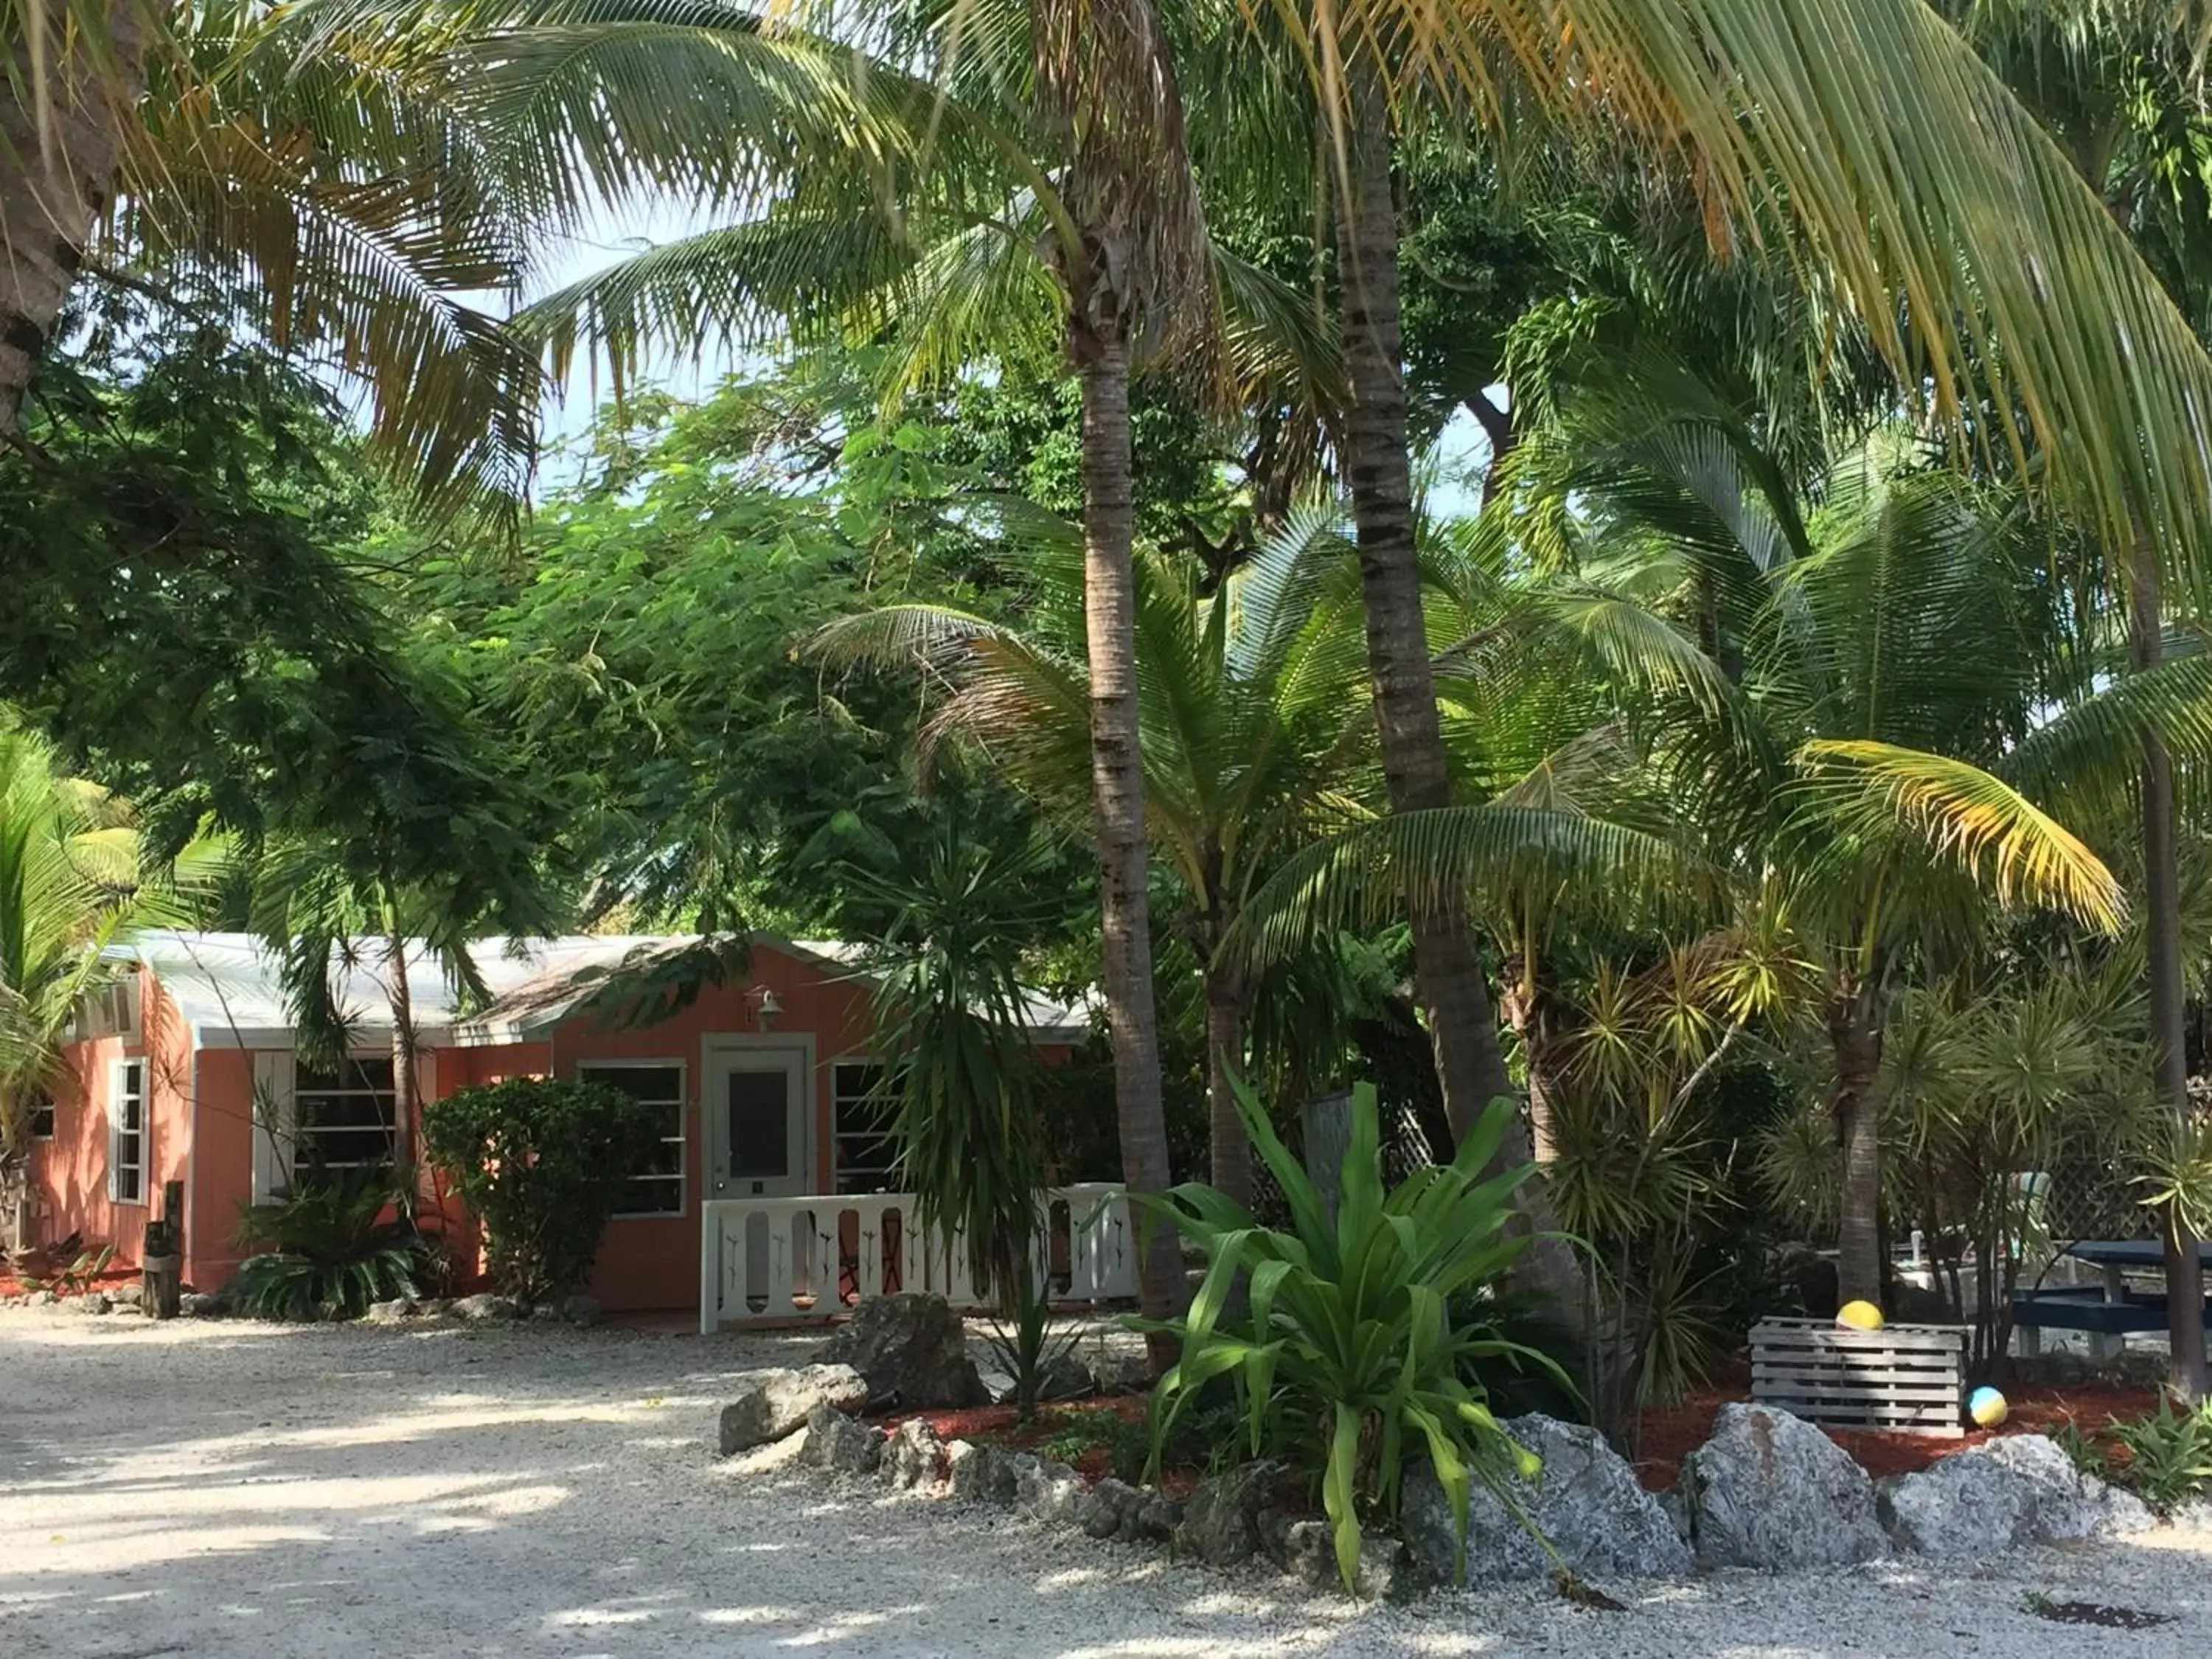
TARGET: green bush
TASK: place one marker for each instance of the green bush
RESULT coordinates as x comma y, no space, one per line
2169,1454
541,1164
1343,1355
330,1248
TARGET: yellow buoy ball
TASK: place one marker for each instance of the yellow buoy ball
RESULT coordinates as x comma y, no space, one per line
1859,1316
1988,1408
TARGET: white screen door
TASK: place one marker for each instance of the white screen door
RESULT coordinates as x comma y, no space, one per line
757,1123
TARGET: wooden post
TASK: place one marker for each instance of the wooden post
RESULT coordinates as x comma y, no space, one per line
161,1261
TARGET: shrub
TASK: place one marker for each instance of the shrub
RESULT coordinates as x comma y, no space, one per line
1344,1355
330,1248
2168,1454
542,1165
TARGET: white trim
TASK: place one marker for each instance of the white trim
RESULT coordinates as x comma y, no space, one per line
275,1115
117,1092
683,1104
730,1045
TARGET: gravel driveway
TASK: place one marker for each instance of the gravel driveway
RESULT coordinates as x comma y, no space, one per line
245,1491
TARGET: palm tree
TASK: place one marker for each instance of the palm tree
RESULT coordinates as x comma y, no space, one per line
1953,201
1876,768
168,149
1029,198
75,882
2121,88
1248,701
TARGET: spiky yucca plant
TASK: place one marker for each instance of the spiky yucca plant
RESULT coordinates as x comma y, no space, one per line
1344,1353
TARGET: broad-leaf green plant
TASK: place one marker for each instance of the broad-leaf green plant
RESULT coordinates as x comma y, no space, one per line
331,1248
1335,1335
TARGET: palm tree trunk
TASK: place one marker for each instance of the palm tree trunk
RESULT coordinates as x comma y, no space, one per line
1855,1037
1448,974
407,1105
1231,1170
56,178
2185,1277
1117,790
1450,979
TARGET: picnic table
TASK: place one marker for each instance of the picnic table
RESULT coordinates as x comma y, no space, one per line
2107,1313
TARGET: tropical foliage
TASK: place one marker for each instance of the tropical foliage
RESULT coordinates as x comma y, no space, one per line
330,1249
1582,552
1335,1332
541,1164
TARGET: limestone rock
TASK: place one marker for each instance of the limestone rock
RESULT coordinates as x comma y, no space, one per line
1221,1516
913,1456
583,1310
1104,1509
1586,1501
771,1404
94,1302
834,1441
2013,1491
979,1475
1770,1490
1048,1491
390,1313
484,1308
1116,1371
912,1348
194,1305
1309,1556
127,1295
544,1313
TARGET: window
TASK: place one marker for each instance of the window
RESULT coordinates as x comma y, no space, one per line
345,1119
42,1119
110,1009
866,1150
658,1189
126,1133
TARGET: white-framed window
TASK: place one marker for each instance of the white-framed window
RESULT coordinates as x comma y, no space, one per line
344,1118
657,1190
126,1133
865,1151
42,1118
109,1010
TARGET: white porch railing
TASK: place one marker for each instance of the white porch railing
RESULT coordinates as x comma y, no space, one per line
765,1260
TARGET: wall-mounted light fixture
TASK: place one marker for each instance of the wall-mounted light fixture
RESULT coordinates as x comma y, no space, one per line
767,1006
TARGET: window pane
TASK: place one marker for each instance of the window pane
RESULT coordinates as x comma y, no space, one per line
655,1195
649,1083
759,1104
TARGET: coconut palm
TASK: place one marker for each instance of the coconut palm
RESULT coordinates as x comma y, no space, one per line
75,882
1875,771
2121,89
1250,710
177,149
1025,198
1953,202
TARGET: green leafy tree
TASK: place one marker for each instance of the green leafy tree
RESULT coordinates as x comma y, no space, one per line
75,881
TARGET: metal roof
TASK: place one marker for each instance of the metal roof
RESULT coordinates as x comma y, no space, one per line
230,987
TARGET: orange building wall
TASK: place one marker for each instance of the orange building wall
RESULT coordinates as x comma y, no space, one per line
201,1113
69,1174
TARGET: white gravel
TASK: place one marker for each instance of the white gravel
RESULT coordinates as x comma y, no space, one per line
251,1493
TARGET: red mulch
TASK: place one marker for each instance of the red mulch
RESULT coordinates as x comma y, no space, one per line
1671,1433
11,1286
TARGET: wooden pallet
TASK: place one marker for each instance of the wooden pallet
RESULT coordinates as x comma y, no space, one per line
1902,1378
